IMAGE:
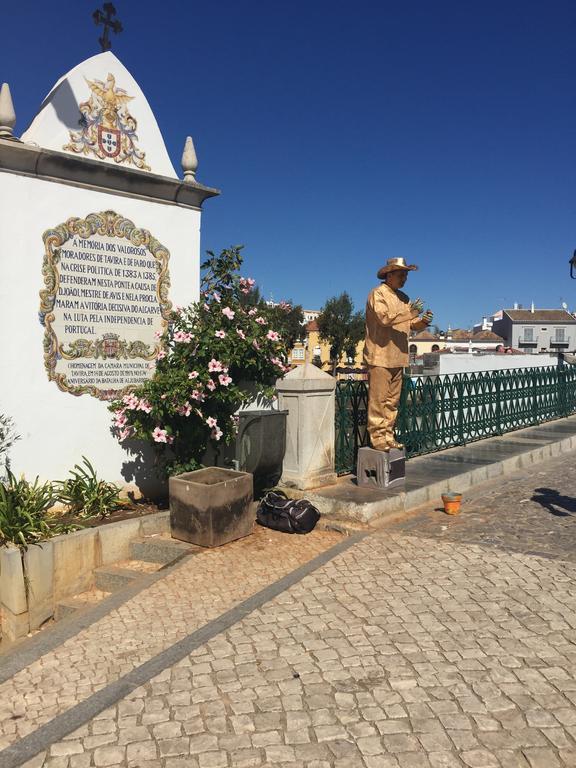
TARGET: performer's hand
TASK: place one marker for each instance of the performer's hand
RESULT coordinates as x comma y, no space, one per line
416,306
428,316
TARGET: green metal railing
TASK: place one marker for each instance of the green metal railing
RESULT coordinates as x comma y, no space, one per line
439,412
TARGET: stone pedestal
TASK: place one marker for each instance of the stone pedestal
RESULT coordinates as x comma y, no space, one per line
308,394
380,469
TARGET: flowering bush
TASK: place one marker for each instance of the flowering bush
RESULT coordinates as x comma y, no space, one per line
211,351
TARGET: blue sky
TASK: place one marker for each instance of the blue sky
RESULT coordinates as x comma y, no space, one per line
342,134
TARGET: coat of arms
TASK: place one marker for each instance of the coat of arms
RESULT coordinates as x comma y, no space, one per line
107,129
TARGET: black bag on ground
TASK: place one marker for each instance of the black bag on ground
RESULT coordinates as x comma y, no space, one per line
280,513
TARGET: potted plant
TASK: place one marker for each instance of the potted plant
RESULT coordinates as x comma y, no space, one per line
452,501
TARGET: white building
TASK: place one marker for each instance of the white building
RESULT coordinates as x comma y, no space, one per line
99,238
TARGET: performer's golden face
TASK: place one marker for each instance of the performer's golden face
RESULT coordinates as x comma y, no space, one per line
396,278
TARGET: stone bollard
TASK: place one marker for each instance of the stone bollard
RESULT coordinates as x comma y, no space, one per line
308,394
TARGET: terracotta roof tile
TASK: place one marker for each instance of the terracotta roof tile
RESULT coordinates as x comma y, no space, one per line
540,316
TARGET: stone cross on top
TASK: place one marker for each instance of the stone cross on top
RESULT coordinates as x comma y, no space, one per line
108,23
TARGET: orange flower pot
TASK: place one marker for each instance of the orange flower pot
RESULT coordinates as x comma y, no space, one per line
452,503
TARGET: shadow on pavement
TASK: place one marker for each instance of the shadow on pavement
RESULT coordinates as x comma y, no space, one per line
554,502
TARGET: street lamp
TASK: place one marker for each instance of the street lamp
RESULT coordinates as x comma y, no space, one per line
572,263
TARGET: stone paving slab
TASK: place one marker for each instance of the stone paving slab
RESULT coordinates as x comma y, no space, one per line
402,652
532,512
454,469
201,589
435,641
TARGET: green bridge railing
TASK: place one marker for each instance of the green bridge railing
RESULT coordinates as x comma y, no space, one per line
439,412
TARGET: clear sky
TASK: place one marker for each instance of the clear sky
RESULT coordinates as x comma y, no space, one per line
342,134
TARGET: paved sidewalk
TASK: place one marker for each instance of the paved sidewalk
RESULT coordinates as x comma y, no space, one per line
432,643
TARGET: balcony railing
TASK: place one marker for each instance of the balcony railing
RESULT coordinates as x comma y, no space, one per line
438,412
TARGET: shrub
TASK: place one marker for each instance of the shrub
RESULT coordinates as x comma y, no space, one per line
214,356
7,439
23,511
87,496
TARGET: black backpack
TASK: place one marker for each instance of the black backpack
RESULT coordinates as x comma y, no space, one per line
280,513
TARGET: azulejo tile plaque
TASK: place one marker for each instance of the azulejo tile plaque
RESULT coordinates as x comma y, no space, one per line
104,305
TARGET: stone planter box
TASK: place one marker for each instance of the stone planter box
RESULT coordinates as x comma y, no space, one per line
211,506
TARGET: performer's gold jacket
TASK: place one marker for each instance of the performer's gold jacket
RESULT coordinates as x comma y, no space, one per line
388,323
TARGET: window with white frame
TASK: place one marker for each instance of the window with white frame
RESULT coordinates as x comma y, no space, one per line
559,334
297,354
528,334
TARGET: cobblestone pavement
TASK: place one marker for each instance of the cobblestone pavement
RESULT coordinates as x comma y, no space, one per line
533,512
200,589
418,647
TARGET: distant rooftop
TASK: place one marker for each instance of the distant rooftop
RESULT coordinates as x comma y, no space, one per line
540,316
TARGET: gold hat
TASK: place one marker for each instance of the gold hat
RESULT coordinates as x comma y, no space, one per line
394,264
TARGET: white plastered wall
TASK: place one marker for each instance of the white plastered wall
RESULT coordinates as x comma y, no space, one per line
57,428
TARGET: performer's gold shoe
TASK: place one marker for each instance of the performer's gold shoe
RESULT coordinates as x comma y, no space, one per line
380,447
395,444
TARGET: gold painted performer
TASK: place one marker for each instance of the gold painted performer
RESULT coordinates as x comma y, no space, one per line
390,316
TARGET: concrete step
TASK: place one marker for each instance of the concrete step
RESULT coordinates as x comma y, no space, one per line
78,602
111,578
160,548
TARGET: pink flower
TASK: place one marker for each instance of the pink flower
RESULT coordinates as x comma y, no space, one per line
261,320
130,401
216,297
124,434
216,434
228,312
220,334
120,419
211,421
246,284
285,306
206,307
145,406
158,335
185,410
161,436
214,365
255,344
183,337
273,336
240,333
193,375
278,362
211,386
160,354
197,395
252,311
224,379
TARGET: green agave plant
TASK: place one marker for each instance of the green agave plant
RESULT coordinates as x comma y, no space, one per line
23,511
87,496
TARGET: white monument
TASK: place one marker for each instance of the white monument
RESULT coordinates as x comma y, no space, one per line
99,238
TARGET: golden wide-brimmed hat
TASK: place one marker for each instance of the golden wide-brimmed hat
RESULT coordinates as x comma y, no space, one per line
392,265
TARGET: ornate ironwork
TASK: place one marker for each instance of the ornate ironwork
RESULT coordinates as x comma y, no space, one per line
438,412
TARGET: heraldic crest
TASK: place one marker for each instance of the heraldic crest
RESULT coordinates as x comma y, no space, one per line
107,129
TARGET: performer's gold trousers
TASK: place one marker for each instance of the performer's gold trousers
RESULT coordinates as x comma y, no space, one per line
384,387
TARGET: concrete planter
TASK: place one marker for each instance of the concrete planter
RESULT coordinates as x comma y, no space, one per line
31,583
211,506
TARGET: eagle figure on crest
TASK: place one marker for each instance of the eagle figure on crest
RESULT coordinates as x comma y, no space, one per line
107,129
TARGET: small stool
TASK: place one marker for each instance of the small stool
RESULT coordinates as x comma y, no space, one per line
380,469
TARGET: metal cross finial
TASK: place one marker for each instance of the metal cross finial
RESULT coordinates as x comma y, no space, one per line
109,24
